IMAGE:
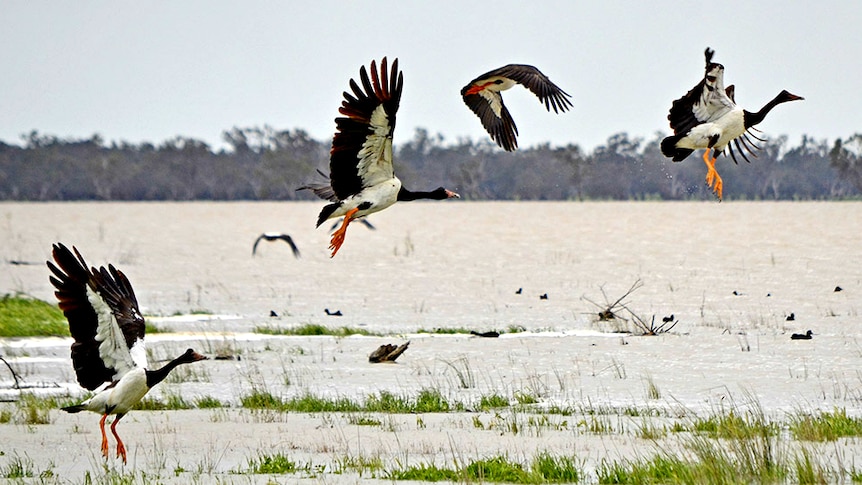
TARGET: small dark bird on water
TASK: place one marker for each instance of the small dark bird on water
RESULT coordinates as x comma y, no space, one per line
802,336
520,290
791,317
838,288
667,319
336,313
273,236
491,334
543,296
272,313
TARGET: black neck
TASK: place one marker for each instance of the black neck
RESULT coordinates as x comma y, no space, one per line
405,195
750,119
158,375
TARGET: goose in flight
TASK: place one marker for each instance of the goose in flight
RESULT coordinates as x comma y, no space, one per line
483,96
275,236
362,180
108,353
707,117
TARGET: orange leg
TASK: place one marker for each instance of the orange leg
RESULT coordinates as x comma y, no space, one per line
121,448
713,179
104,436
338,236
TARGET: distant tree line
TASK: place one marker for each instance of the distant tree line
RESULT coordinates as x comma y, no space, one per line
267,164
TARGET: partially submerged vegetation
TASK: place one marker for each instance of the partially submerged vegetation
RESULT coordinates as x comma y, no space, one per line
427,401
736,445
311,329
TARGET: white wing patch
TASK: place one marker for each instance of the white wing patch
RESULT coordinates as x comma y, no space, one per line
375,156
495,101
112,348
138,352
714,103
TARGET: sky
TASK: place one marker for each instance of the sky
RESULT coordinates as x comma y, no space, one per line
151,71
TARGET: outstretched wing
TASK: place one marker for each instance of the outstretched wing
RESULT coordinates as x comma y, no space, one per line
705,102
531,78
495,117
103,316
322,190
361,154
289,240
482,96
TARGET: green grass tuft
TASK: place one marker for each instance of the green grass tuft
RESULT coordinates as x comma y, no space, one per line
731,425
151,328
498,469
22,316
427,401
444,331
173,402
556,469
493,401
260,400
425,473
312,329
32,409
209,402
277,464
18,468
825,427
659,469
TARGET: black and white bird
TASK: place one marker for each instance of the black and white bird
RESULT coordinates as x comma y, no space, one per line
275,236
361,178
707,117
108,352
482,95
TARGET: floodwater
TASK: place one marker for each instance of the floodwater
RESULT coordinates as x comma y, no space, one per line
730,273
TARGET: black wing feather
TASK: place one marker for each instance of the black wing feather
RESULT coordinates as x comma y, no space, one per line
353,128
681,115
539,84
502,129
71,280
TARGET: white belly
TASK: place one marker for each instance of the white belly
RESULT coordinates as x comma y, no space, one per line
379,196
727,128
121,398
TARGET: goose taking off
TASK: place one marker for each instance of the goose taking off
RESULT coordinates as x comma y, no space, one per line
708,117
483,96
361,178
275,236
108,352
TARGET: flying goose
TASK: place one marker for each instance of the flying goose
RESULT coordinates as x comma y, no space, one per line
361,178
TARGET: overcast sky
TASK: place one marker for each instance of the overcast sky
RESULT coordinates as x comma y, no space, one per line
150,71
